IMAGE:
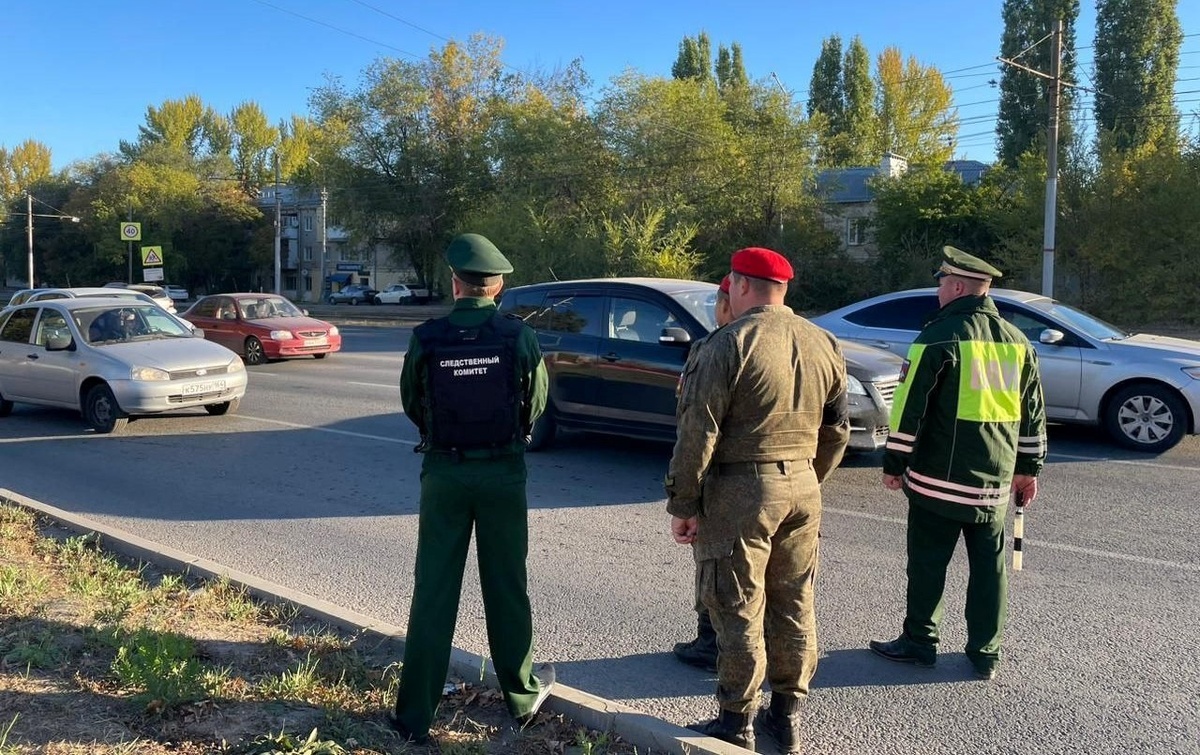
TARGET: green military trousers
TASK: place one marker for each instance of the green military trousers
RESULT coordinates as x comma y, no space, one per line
931,542
756,557
487,497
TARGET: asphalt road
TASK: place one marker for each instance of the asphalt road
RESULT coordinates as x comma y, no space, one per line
314,485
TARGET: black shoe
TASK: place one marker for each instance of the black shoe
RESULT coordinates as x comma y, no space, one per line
734,728
545,676
985,671
781,722
698,653
404,733
904,650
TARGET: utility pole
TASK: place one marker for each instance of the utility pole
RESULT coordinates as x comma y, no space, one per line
129,244
1051,213
29,232
278,228
1056,84
324,198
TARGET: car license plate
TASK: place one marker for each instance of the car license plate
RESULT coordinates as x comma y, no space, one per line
316,341
191,389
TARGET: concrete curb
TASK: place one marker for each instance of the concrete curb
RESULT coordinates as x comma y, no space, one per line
639,729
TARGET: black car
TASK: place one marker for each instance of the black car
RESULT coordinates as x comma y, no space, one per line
353,294
614,349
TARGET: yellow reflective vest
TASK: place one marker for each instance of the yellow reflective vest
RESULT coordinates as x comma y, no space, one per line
968,413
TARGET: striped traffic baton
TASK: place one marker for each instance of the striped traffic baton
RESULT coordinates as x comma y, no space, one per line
1019,533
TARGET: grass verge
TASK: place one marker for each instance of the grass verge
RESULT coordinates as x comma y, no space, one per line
101,656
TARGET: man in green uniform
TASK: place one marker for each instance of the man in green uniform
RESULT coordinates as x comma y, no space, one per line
762,420
968,426
702,651
473,383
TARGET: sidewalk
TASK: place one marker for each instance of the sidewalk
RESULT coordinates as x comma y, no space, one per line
640,729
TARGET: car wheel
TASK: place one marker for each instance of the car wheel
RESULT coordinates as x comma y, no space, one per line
225,407
354,301
254,351
320,356
6,407
332,300
1146,417
544,430
378,300
101,411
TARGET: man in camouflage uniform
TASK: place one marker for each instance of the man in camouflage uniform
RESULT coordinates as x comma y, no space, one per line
762,421
968,427
702,651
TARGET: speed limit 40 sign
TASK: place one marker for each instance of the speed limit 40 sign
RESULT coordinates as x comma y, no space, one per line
131,231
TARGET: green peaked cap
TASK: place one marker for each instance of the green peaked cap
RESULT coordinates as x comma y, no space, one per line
476,260
957,262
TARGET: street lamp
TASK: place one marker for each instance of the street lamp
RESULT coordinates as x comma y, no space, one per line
324,198
29,216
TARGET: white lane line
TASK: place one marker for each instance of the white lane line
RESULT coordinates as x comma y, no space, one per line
364,436
1146,560
374,385
1127,462
81,436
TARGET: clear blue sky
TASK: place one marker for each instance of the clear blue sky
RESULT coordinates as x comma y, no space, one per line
78,75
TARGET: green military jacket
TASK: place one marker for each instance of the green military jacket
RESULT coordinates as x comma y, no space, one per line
968,413
531,373
771,387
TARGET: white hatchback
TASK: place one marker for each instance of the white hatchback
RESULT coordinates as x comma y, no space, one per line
110,359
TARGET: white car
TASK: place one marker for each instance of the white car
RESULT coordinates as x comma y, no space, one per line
1143,389
157,293
402,293
110,359
177,293
45,294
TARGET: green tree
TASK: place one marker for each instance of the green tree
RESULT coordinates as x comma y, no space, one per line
1137,58
827,100
859,116
252,141
731,70
1024,100
22,167
913,104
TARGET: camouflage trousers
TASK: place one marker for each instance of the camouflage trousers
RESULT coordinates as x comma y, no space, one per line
756,563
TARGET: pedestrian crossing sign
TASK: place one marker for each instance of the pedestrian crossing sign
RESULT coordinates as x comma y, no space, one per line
152,255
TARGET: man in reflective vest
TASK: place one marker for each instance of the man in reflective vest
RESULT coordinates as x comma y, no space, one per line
968,428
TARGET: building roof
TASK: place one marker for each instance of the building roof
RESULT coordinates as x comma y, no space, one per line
851,185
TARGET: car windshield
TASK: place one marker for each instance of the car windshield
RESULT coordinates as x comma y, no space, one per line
701,303
265,307
1087,324
108,325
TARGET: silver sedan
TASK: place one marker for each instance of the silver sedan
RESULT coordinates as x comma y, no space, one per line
1143,389
112,358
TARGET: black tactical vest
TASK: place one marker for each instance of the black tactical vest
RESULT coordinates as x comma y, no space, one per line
473,400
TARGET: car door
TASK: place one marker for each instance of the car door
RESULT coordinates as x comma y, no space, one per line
892,324
15,379
52,373
210,316
569,330
638,375
1061,363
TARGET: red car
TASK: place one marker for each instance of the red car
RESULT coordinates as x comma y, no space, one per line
261,327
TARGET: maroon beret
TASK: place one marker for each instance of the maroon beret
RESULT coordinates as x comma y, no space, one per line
757,262
724,285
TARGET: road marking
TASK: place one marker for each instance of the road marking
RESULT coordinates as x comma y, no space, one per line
81,436
364,436
1146,560
373,385
1127,462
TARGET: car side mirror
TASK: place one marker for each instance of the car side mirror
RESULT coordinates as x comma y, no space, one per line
304,312
60,343
1051,336
197,332
677,336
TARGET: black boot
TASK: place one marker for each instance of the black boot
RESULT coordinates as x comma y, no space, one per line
781,722
734,728
702,651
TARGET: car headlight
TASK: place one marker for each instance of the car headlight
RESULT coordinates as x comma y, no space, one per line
854,386
333,331
235,365
281,335
149,373
1193,372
